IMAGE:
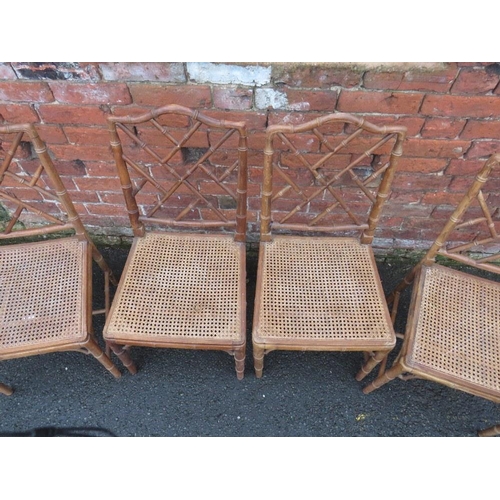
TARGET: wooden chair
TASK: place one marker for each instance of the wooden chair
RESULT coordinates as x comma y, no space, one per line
185,289
453,327
317,292
45,286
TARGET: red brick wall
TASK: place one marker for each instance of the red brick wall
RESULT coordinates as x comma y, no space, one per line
452,112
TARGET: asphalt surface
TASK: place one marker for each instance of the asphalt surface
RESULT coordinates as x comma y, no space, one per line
196,393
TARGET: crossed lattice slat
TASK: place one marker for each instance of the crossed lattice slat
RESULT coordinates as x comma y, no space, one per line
458,252
30,183
327,184
179,179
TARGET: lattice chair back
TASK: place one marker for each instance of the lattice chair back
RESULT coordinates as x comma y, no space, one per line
33,200
181,169
469,236
328,175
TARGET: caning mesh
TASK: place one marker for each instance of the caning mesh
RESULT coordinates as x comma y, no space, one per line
458,329
322,288
181,287
41,294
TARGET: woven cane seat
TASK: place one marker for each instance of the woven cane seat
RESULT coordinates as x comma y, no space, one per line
321,292
42,295
180,289
456,335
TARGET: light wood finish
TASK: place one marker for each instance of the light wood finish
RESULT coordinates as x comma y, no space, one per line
453,330
317,291
46,285
182,289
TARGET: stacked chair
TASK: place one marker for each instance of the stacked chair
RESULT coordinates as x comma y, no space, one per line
45,284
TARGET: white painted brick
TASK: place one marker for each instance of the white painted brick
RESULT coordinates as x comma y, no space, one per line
229,74
270,98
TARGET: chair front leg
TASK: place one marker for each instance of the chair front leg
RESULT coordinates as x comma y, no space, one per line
369,365
123,355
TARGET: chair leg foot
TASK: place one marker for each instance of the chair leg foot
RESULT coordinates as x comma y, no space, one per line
6,390
239,357
370,364
490,431
123,355
389,375
100,355
258,360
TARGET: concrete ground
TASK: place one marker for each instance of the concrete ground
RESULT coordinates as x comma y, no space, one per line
196,393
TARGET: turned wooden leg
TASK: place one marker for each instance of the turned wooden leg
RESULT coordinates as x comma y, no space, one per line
389,375
258,360
5,389
99,354
239,357
124,356
490,431
370,364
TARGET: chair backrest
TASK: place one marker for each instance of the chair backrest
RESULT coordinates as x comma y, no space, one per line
181,169
469,236
33,200
472,224
339,168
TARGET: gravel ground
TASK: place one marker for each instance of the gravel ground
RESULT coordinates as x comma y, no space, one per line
196,393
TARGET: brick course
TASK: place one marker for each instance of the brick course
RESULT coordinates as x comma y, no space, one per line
452,111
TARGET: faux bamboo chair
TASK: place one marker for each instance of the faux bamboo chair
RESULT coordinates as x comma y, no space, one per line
181,288
317,292
46,284
453,328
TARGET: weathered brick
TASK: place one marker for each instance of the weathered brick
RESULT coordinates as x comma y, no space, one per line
25,91
483,148
315,76
477,80
297,118
56,71
311,100
461,106
83,196
443,128
422,165
85,152
74,115
6,72
442,198
443,148
193,96
143,72
379,102
481,129
91,93
464,167
431,80
17,113
462,184
233,98
52,134
414,182
382,80
98,184
97,136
